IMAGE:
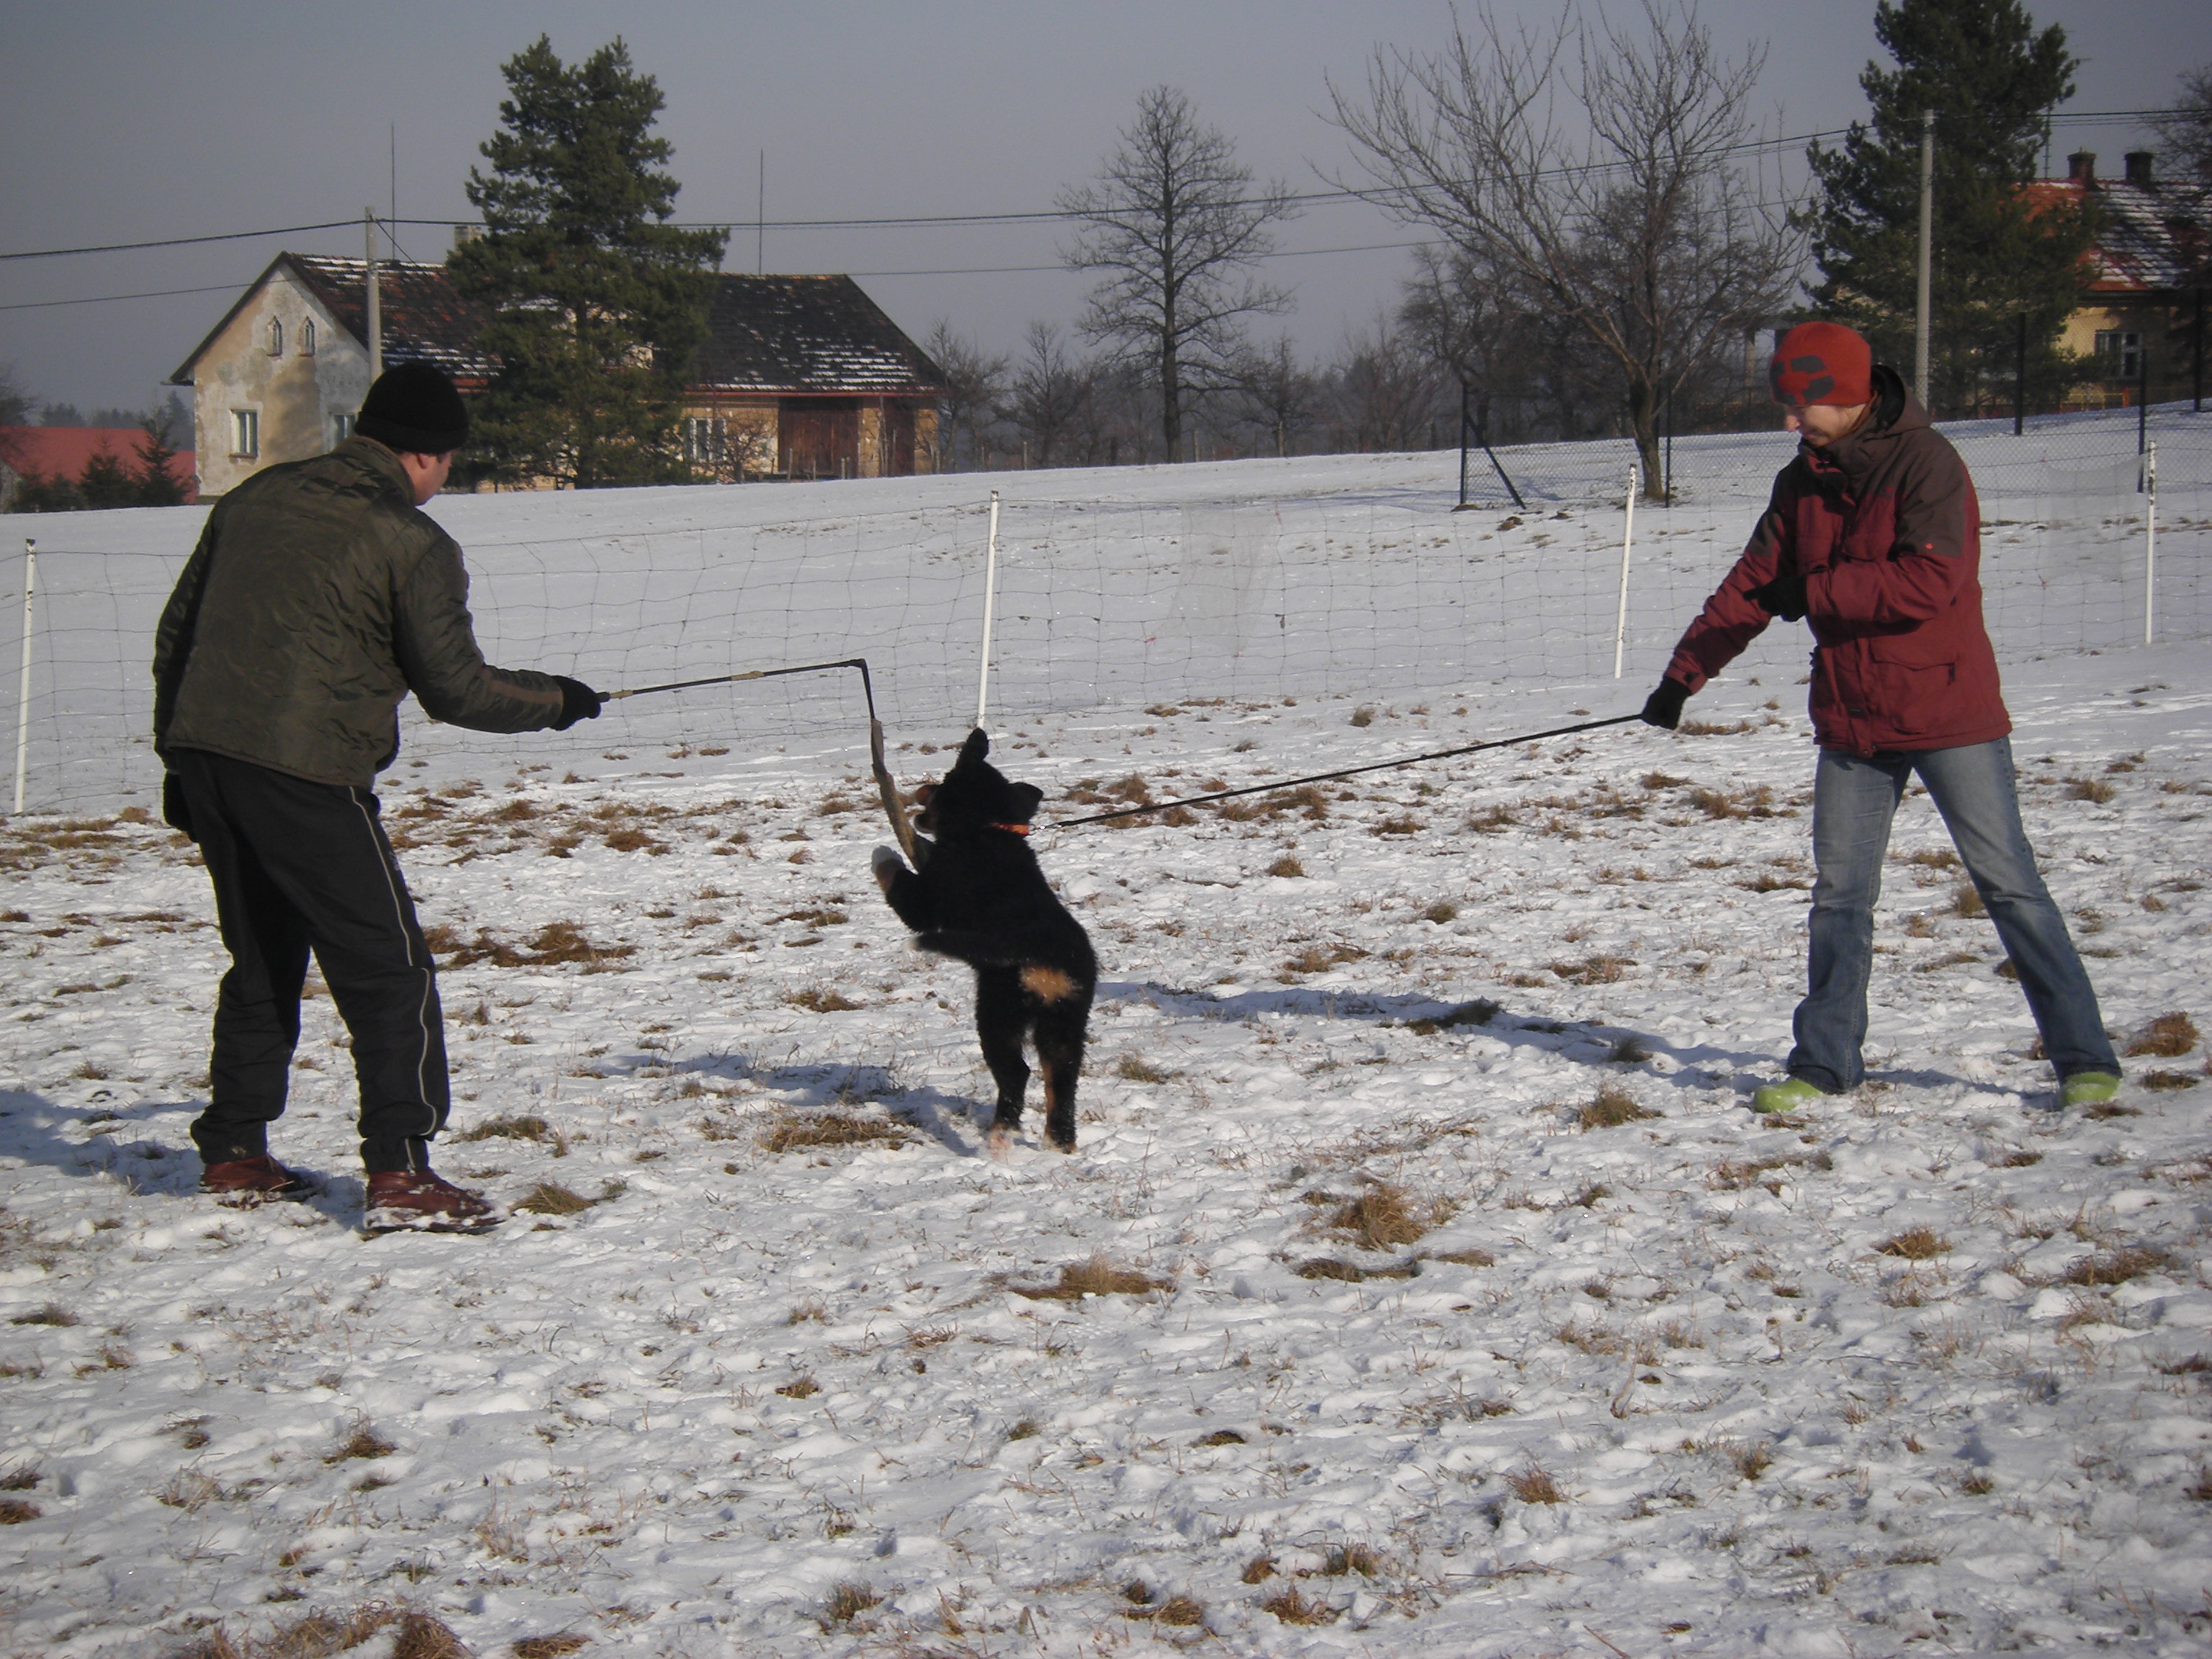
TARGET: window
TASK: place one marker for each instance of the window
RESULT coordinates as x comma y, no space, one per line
308,338
246,433
275,336
706,441
341,429
2120,349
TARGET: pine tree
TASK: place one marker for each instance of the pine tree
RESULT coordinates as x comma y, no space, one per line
1996,255
105,482
599,303
155,481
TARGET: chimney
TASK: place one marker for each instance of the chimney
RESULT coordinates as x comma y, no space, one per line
2081,169
2138,165
466,233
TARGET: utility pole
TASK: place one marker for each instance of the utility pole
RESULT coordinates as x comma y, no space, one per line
1927,232
375,306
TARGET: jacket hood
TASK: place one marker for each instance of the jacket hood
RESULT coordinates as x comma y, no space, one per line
1896,412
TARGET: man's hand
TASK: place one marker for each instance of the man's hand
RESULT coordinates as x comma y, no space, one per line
174,813
1663,707
887,865
1783,596
577,703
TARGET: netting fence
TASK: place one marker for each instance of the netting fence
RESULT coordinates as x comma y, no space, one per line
1335,576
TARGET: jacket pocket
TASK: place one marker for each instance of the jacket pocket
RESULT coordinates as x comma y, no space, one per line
1917,648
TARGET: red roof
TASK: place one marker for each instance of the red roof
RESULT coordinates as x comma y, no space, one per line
62,451
2151,238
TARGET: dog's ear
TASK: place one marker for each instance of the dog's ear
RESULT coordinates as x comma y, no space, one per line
1026,797
977,747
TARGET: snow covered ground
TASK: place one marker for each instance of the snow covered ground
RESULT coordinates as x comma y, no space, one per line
1462,1307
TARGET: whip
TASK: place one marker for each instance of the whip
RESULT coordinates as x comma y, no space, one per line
1348,772
884,786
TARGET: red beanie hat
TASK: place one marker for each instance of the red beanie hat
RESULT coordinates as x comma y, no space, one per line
1822,363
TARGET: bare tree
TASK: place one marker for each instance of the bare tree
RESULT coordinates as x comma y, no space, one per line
1645,234
1175,223
2184,127
1049,391
1390,393
975,388
15,411
1277,395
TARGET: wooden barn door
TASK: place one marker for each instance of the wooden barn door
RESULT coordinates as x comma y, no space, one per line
898,438
820,438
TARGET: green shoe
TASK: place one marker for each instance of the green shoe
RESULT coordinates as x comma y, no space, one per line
2088,1089
1786,1096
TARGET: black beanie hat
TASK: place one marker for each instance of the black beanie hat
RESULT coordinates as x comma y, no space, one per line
413,406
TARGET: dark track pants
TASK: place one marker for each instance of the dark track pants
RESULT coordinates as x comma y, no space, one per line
298,866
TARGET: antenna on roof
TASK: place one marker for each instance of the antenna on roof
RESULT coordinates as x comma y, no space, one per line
375,310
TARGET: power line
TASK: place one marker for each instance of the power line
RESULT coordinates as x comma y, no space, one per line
107,299
897,222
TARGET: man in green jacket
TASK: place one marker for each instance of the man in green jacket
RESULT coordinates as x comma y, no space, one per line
319,597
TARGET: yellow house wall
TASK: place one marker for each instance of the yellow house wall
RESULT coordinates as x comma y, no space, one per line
297,394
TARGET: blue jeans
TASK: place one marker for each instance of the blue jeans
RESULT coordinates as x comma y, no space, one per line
1854,800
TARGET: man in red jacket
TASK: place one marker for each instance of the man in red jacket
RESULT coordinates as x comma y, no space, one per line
1873,537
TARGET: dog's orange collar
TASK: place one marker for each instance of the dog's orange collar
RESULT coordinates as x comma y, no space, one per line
1011,828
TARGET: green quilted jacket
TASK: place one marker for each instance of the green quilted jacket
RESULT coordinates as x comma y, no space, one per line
319,597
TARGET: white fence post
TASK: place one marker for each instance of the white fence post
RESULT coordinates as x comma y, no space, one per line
23,683
990,605
2150,541
1627,541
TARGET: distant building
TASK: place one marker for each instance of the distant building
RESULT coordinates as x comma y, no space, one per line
2145,278
61,452
799,377
281,376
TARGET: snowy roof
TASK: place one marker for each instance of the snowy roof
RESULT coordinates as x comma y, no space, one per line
765,334
2151,238
421,318
802,334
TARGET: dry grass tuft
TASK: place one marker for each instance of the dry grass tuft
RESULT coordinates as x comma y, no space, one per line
551,1198
1442,911
1135,1069
324,1635
794,1132
2093,789
1384,1215
2166,1080
14,1511
21,1478
528,1127
1613,1107
1346,1559
1915,1244
1966,901
2115,1267
1220,1437
1481,1012
847,1601
364,1442
1097,1276
801,1387
2165,1037
1293,1608
51,1313
1533,1486
821,1000
548,1647
1258,1570
1287,866
1179,1610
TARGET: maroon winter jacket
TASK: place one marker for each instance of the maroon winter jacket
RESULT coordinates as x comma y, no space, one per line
1884,528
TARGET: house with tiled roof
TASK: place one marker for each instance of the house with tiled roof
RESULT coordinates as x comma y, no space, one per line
2144,279
799,377
64,451
281,377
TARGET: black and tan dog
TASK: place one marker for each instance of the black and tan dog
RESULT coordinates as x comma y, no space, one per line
981,897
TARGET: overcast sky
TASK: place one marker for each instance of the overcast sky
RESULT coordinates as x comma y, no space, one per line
125,121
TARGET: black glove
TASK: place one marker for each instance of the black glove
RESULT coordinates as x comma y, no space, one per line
1663,707
174,813
577,703
1783,596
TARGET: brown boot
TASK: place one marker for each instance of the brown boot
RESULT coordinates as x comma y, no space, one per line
246,1181
416,1200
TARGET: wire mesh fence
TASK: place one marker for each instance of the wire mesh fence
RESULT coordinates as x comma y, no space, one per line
1334,576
